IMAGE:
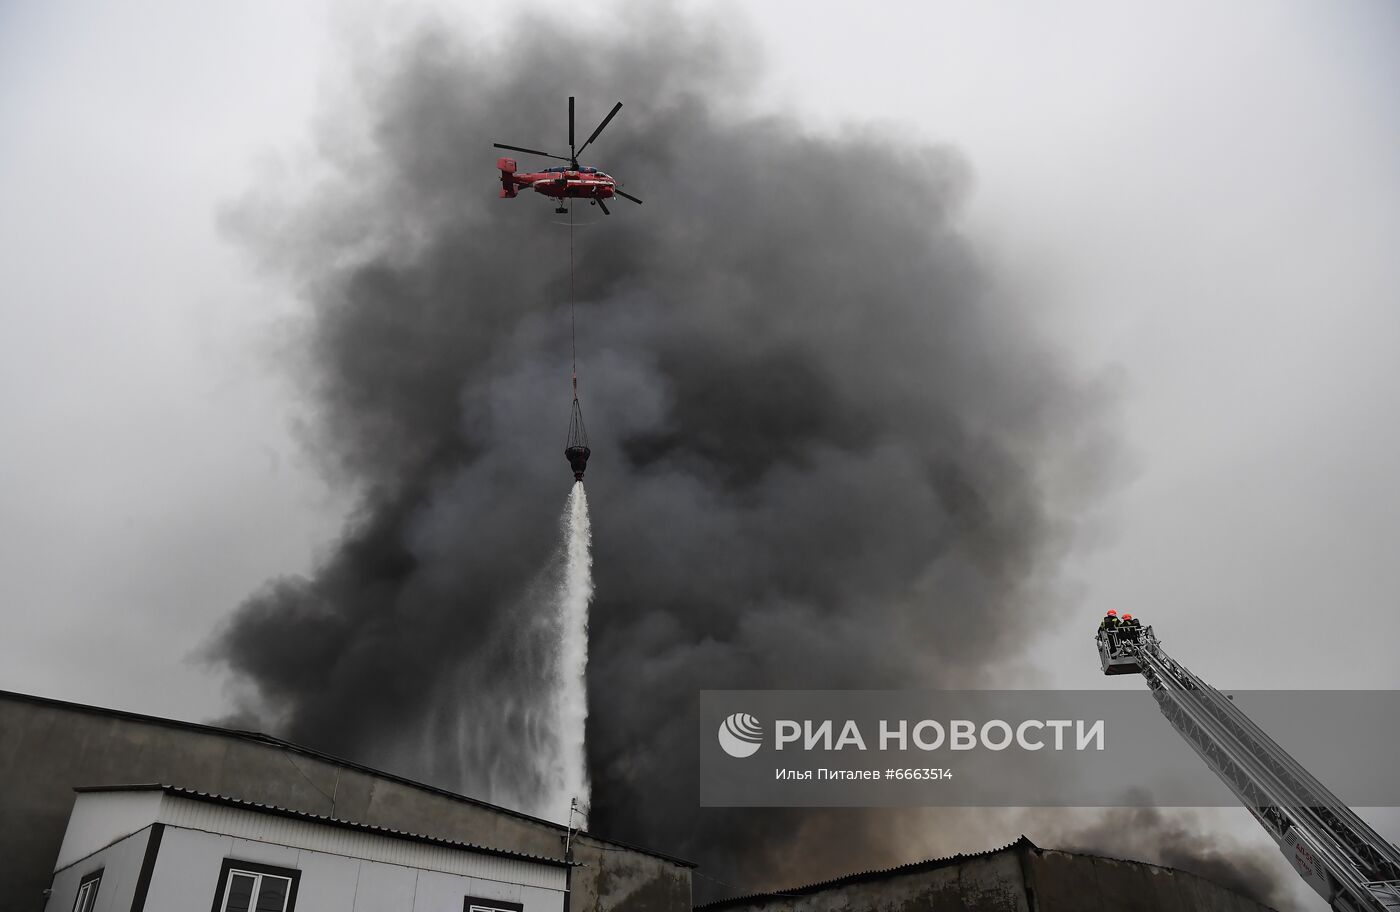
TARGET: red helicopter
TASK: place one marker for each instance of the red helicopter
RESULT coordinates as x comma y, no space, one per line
571,182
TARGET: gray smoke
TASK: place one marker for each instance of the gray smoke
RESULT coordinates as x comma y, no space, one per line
827,451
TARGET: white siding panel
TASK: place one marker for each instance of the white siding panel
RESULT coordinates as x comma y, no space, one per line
444,893
534,899
283,856
121,868
440,893
101,818
328,883
489,889
320,837
385,888
187,870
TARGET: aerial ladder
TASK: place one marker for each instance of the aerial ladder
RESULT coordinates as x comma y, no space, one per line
1350,865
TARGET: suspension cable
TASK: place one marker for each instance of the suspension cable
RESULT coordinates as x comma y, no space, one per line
573,332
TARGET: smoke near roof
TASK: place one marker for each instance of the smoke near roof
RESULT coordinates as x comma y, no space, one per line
828,451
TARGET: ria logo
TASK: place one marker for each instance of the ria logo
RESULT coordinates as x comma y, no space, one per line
741,735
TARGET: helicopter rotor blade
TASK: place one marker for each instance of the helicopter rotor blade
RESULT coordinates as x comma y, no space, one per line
627,196
531,151
604,206
606,120
571,126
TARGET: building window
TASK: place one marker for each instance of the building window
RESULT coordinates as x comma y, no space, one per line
87,892
477,904
246,886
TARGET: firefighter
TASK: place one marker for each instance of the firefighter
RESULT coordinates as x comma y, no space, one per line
1132,627
1110,621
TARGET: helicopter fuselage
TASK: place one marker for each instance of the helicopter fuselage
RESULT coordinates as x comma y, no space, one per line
558,183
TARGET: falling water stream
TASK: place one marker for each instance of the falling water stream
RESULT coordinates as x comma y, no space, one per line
509,725
570,696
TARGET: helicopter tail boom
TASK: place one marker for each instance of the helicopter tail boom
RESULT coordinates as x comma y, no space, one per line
508,182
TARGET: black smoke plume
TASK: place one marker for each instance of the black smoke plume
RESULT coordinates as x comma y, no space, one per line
828,452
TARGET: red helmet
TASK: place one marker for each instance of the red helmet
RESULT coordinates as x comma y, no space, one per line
1127,617
1112,613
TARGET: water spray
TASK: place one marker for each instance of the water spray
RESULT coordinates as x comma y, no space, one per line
570,683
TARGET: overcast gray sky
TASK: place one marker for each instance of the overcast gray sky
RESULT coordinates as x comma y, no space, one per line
1201,200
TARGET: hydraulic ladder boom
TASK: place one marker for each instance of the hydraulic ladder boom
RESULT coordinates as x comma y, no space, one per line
1334,850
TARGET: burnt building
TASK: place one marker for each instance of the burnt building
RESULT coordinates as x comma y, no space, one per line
1020,877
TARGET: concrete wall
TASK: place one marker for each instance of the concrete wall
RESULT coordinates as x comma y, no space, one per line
626,881
47,748
1019,878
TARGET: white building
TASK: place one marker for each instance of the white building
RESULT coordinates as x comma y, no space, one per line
158,848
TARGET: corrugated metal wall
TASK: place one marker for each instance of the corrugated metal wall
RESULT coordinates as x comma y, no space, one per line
187,873
305,834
